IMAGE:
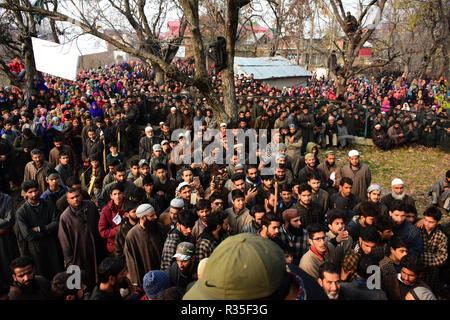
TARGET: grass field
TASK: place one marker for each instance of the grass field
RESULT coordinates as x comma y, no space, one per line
419,168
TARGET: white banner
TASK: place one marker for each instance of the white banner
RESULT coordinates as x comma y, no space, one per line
181,52
55,59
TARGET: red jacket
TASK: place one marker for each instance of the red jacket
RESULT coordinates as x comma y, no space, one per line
15,67
106,226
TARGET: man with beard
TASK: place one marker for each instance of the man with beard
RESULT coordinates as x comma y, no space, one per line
252,176
184,269
286,201
310,212
365,216
264,188
374,196
53,157
280,176
319,195
8,242
37,169
330,172
111,275
310,161
359,173
270,227
79,237
203,210
411,270
406,230
169,218
181,233
257,212
398,194
217,203
72,182
37,223
120,179
144,244
292,235
129,221
329,280
27,285
396,134
146,144
380,138
217,230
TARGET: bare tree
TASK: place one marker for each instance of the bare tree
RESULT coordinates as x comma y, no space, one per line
355,38
147,45
17,28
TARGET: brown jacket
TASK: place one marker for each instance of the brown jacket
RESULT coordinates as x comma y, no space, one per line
361,179
38,174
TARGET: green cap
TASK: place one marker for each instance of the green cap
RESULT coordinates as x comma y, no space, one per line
242,267
308,156
329,153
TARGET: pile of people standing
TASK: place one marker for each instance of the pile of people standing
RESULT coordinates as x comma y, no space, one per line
89,185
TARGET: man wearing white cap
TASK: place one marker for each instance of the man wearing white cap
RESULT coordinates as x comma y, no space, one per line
144,244
398,194
380,138
146,144
374,196
170,217
174,119
359,173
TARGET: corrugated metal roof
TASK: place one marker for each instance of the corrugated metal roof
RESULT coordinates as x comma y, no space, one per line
269,67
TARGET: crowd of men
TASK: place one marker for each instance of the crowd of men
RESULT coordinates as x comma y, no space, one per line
85,192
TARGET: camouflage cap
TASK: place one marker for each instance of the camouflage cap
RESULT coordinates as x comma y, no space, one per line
242,267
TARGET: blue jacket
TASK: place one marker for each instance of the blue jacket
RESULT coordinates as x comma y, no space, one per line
409,233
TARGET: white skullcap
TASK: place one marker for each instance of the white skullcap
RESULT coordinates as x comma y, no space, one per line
149,128
177,203
223,124
173,108
396,181
183,184
143,210
373,187
353,153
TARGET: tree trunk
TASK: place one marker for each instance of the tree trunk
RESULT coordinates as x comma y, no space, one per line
406,68
30,66
159,75
341,81
229,96
444,72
